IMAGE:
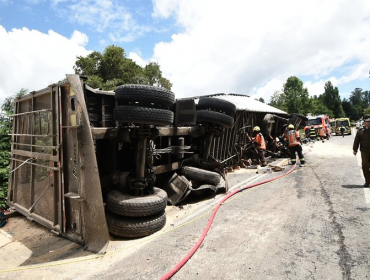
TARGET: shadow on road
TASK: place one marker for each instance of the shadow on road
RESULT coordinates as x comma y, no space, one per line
353,187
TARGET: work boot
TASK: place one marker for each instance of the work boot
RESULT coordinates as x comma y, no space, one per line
366,185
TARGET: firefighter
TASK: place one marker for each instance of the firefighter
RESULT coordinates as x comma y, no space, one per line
313,133
322,134
259,142
293,138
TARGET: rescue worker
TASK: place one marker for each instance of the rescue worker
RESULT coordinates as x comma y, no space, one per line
313,133
362,140
260,143
342,129
293,138
322,134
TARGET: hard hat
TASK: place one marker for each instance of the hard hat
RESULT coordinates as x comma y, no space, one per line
290,126
256,128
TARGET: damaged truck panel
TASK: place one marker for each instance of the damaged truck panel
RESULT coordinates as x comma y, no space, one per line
54,176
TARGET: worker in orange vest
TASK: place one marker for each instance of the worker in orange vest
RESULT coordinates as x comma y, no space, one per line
293,138
260,143
322,133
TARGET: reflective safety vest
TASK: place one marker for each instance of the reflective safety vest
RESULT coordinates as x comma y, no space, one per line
292,137
313,133
322,132
261,144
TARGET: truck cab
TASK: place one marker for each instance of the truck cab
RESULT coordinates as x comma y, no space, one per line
316,121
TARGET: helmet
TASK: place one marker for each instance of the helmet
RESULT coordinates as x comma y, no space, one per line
290,126
256,128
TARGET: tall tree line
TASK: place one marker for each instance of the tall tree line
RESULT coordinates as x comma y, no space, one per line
112,68
294,98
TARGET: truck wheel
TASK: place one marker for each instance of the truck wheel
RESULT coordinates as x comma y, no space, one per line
201,189
205,116
133,227
268,123
145,94
136,206
201,175
142,115
219,105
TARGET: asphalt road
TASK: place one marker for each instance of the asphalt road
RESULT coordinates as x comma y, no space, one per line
311,224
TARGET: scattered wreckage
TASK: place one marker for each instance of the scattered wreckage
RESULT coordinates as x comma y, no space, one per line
87,162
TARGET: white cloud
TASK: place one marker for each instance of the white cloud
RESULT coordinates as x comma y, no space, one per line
111,17
252,47
32,60
136,56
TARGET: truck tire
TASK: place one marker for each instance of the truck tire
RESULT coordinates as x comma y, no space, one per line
136,206
202,189
205,116
134,227
145,94
267,124
218,105
201,175
142,115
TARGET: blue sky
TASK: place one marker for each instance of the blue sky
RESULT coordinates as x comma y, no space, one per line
203,46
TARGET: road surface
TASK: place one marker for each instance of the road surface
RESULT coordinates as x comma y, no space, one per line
311,224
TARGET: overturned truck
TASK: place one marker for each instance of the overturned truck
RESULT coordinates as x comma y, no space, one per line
87,162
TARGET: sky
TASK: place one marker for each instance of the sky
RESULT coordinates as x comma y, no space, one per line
202,46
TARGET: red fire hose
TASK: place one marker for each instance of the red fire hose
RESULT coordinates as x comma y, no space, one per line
172,272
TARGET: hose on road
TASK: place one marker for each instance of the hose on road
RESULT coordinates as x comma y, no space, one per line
173,271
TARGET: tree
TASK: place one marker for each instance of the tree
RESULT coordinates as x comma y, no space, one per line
5,129
277,101
112,68
331,99
319,108
295,97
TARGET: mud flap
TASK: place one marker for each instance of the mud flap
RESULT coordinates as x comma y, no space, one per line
177,189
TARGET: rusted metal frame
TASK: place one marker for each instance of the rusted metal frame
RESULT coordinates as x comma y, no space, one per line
34,135
11,187
94,226
35,164
31,155
35,155
159,169
56,142
60,139
30,112
140,162
216,143
31,216
36,146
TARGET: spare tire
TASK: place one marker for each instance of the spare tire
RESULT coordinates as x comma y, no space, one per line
145,94
218,105
142,115
136,206
201,175
205,116
133,227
